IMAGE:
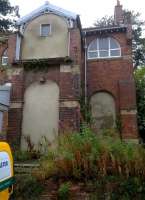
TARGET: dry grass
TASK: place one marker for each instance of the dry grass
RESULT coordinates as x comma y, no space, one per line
85,155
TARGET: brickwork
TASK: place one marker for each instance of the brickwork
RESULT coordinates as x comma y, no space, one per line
115,76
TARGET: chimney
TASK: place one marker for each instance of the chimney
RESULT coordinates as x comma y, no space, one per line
118,13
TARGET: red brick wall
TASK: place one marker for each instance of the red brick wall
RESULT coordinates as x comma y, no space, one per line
115,75
9,44
68,82
112,75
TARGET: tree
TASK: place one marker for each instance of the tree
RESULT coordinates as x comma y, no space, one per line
138,42
7,15
140,95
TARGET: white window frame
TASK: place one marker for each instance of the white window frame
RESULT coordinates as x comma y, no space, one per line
50,32
98,50
3,60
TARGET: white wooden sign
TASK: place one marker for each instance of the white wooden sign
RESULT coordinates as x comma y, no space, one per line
5,166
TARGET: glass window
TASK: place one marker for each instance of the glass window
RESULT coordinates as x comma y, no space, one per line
114,53
113,44
45,30
93,46
103,54
93,54
5,58
104,48
103,44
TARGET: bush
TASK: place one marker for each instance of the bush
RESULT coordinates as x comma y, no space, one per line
86,155
27,187
63,192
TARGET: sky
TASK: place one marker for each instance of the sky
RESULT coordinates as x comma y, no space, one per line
89,10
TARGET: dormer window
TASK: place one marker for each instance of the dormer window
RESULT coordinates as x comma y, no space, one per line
45,30
104,48
5,58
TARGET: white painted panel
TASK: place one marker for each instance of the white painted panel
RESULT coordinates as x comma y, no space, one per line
103,110
41,114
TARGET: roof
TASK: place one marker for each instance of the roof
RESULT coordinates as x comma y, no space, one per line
47,8
109,29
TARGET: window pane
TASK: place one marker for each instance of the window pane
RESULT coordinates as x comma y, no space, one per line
103,54
93,45
103,44
4,60
1,120
45,30
114,53
113,44
93,54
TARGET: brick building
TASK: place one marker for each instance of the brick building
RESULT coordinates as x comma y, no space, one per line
51,62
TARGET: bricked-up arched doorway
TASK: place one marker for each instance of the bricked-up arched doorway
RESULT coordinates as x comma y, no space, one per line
41,112
103,111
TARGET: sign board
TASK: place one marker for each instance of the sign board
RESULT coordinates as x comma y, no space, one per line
5,166
6,170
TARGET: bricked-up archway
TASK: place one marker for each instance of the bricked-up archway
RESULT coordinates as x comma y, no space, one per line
41,112
103,111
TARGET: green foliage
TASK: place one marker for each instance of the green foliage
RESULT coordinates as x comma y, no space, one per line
21,156
140,94
85,155
8,13
63,192
27,187
118,188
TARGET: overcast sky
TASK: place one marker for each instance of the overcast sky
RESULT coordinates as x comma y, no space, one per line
89,10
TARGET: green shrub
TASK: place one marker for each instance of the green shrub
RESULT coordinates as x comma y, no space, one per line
86,155
63,192
27,187
21,156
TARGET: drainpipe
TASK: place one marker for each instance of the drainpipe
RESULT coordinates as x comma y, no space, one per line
85,70
68,53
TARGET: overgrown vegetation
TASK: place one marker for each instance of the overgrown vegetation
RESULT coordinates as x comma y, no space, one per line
63,192
108,167
27,187
140,96
84,156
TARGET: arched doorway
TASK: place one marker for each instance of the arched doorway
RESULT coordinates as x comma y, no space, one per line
103,111
40,113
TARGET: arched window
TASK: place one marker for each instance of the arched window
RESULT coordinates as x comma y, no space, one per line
5,58
104,48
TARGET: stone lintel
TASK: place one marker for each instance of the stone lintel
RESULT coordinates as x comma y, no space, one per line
16,105
129,112
69,104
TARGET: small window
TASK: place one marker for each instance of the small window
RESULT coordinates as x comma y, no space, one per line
5,58
45,30
104,48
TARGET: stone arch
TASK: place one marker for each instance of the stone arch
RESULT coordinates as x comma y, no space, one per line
40,112
103,110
